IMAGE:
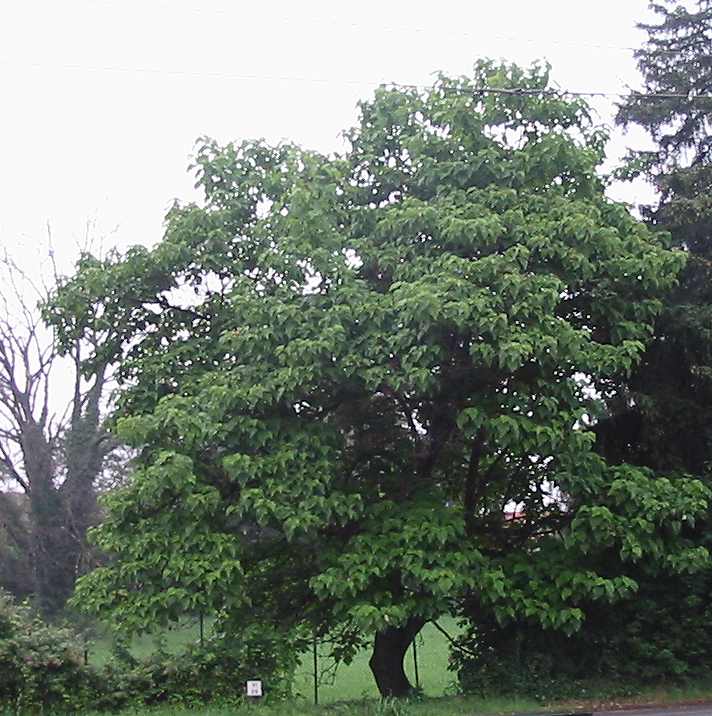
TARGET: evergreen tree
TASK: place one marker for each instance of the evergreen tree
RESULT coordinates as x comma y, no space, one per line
666,419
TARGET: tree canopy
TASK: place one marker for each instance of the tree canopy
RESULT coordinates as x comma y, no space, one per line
659,415
363,385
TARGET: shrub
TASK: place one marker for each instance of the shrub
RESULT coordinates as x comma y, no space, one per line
40,665
215,672
42,669
660,635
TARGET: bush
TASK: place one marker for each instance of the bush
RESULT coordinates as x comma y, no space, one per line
546,672
660,635
40,665
213,673
41,669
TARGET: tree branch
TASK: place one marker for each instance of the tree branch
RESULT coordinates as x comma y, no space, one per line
455,644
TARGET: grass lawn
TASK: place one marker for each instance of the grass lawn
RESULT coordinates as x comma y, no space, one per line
355,681
445,706
176,639
349,682
351,691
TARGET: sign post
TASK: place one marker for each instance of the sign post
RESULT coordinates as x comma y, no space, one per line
254,689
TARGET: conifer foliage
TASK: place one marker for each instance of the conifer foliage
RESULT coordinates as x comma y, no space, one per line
667,421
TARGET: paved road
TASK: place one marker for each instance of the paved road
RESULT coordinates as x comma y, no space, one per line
696,710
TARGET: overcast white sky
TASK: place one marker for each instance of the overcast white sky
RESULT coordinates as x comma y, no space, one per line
102,100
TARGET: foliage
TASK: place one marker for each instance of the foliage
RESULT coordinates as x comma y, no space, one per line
660,415
50,456
660,637
15,570
664,419
43,669
342,372
214,673
40,664
675,107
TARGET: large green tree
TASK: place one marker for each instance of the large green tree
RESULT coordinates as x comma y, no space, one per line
344,372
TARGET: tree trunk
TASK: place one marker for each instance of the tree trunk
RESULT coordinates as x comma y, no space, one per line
58,530
45,513
389,649
53,580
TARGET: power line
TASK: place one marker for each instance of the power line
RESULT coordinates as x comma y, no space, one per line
552,92
509,91
413,29
119,69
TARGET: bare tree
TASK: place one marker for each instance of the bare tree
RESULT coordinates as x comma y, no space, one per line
54,456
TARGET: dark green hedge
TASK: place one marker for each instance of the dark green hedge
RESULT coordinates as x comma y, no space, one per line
663,634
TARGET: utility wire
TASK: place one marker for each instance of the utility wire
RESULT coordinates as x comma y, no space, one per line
412,29
475,91
551,92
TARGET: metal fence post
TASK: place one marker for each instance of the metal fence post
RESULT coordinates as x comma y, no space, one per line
415,662
316,672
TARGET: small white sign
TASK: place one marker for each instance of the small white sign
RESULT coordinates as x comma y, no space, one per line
254,688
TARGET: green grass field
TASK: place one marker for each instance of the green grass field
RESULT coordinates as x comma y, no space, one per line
355,681
350,690
176,639
447,706
347,683
442,706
